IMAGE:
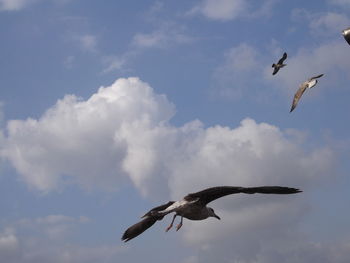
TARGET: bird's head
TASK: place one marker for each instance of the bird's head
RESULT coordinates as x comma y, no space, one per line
212,213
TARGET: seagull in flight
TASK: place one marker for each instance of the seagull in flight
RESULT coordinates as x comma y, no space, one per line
310,83
276,67
194,206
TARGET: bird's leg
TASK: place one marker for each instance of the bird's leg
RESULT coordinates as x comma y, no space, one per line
171,224
179,225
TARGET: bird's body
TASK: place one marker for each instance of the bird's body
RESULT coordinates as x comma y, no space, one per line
194,206
310,83
279,65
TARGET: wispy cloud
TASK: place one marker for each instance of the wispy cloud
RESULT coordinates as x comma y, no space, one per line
15,5
225,10
220,10
240,66
321,24
169,34
343,3
45,240
87,42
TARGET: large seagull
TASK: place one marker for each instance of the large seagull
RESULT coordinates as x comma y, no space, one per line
194,206
310,83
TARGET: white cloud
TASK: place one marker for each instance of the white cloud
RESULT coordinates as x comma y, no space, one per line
224,10
73,142
123,131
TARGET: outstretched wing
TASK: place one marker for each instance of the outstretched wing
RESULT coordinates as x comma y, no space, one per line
298,95
213,193
316,77
139,228
283,58
275,70
149,219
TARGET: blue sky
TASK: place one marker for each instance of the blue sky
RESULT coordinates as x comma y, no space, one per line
109,109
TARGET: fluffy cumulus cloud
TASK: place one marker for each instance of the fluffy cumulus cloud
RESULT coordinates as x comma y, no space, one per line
80,141
124,131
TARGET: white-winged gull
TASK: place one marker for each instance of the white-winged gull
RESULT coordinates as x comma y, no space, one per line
310,83
276,67
194,206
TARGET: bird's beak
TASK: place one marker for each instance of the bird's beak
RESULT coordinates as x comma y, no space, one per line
216,216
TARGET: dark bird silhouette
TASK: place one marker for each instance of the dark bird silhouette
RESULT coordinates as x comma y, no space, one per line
346,35
194,206
310,83
276,67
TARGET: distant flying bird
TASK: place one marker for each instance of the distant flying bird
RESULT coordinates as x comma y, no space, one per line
194,206
346,35
276,67
306,85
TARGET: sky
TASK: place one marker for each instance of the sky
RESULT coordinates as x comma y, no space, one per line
110,108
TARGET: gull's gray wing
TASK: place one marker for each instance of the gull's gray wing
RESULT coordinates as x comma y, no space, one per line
283,58
210,194
316,77
298,95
